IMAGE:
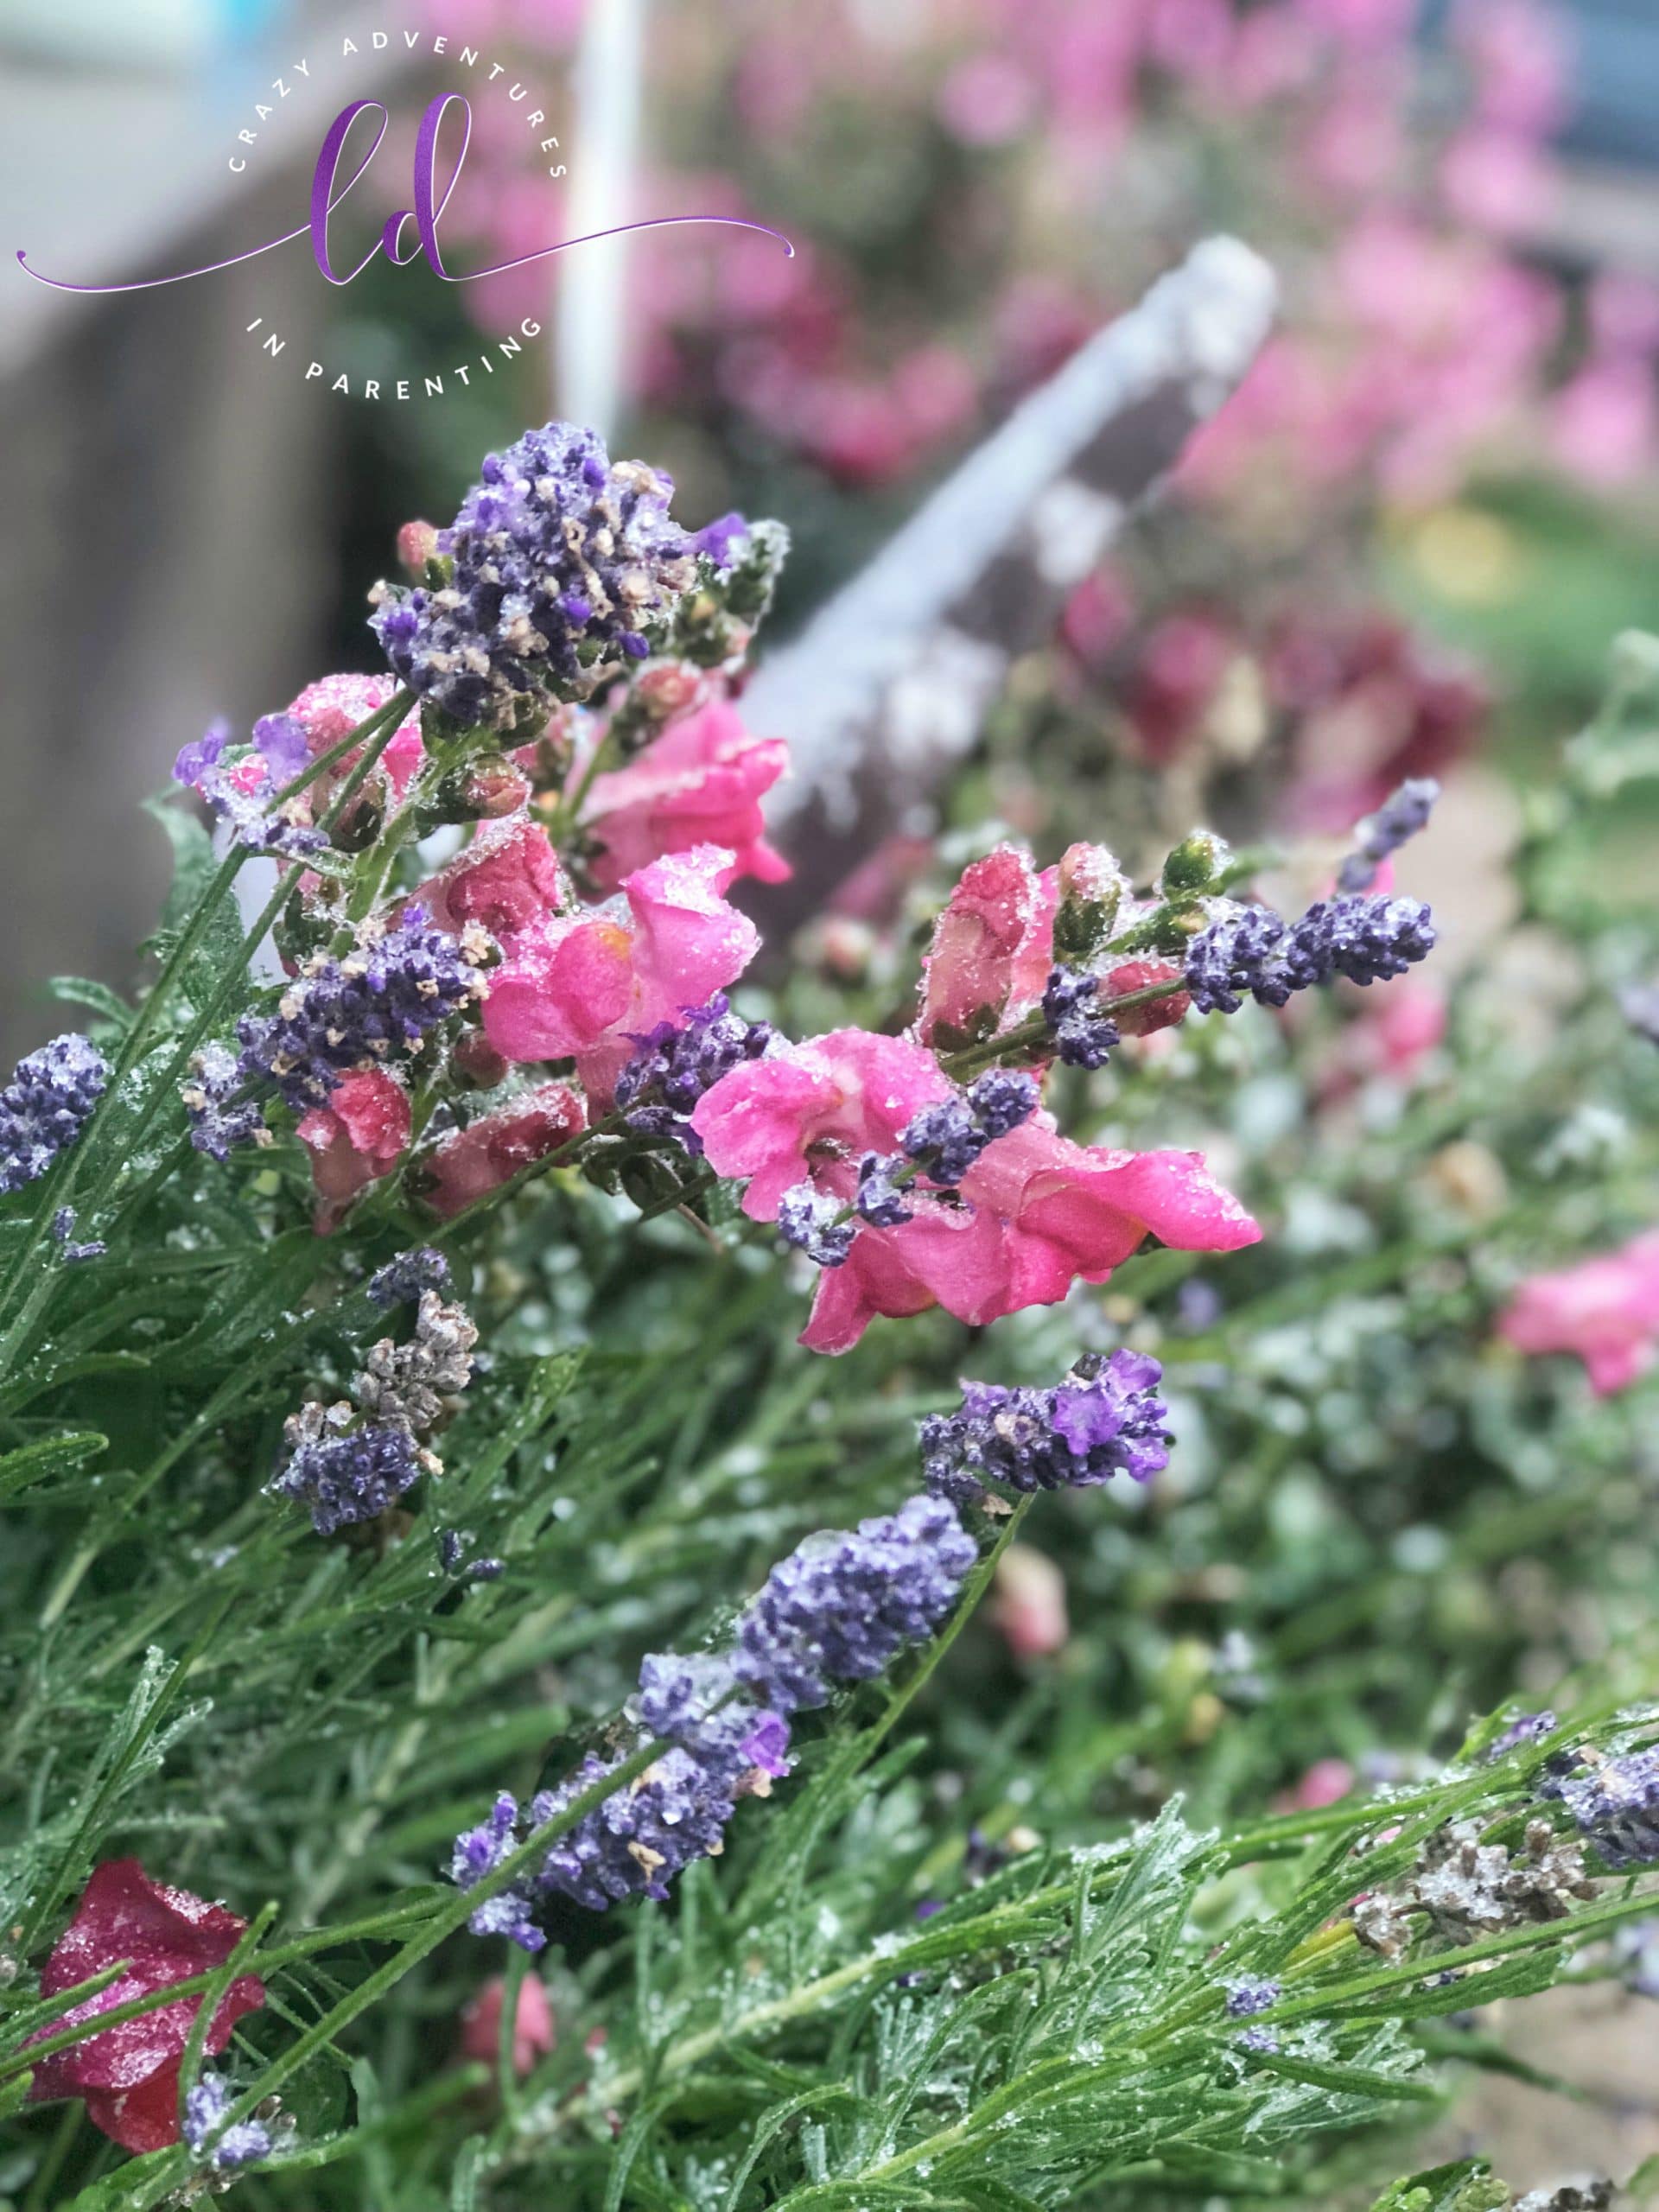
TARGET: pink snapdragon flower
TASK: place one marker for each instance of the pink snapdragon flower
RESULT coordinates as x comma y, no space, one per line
1036,1211
700,784
358,1137
332,708
587,985
129,2073
492,1151
1604,1309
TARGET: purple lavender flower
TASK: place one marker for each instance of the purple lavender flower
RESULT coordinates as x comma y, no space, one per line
1615,1802
1262,2041
374,1007
241,793
1250,950
564,560
1526,1728
1083,1036
944,1140
1366,940
401,1281
63,1230
346,1474
477,1852
811,1220
676,1062
206,2105
219,1120
720,538
1400,818
1248,1996
883,1178
842,1604
46,1104
1104,1419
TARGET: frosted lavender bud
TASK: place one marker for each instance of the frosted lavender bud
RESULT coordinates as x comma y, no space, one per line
564,562
1262,2041
204,2106
344,1474
1104,1419
1083,1035
880,1198
242,793
1236,958
1400,818
1615,1802
46,1104
1247,1996
676,1062
946,1139
807,1218
401,1281
220,1121
1527,1728
842,1605
63,1230
374,1007
1366,940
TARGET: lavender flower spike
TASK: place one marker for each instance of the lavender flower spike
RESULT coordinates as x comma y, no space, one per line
564,561
1401,816
45,1106
1104,1419
840,1607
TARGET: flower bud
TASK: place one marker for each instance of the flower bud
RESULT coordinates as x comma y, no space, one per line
1029,1603
1092,890
1194,864
494,787
418,544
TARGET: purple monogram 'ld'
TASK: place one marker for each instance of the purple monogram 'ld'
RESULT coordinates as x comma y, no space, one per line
328,192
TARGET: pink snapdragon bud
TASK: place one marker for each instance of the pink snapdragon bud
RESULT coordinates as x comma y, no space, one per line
129,2075
1606,1310
700,783
358,1137
1028,1603
669,688
332,708
993,946
507,879
418,544
492,1151
1157,1014
533,2033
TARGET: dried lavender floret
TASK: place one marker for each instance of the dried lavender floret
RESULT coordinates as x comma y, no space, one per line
409,1385
221,1120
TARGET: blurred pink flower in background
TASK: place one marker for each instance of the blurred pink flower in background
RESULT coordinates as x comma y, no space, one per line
1606,1310
1028,1603
1326,1782
533,2034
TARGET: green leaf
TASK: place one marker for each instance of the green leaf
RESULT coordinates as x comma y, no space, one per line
52,1455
